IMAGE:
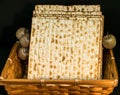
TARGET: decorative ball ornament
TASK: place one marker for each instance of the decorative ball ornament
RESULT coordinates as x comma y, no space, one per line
24,40
23,53
20,32
109,41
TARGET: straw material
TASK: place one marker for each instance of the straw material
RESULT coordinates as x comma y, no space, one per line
12,68
66,87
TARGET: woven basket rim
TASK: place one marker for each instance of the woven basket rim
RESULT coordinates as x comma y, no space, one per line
100,83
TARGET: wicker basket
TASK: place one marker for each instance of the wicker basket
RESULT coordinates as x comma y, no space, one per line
62,87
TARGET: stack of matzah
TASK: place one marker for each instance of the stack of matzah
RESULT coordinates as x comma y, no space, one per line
66,42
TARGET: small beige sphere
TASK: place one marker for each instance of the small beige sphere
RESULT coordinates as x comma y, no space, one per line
24,40
23,53
109,41
20,32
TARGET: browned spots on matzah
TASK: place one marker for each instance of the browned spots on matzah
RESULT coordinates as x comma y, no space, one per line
33,32
66,68
60,54
56,36
93,44
68,48
65,25
40,40
94,34
70,74
98,26
64,48
52,41
67,61
43,40
61,24
37,27
46,28
42,24
56,58
76,42
51,66
30,72
81,34
55,67
95,76
36,40
56,41
50,72
31,42
37,8
33,24
84,46
79,65
31,59
81,74
85,33
74,68
92,50
91,67
91,73
72,36
50,62
81,27
96,55
64,36
63,58
77,31
97,40
43,66
60,37
95,70
79,59
78,73
58,77
71,50
50,77
87,76
35,67
69,30
89,52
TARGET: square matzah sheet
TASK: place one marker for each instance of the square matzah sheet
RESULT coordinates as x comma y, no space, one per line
66,48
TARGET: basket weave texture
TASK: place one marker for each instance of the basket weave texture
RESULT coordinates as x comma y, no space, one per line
21,86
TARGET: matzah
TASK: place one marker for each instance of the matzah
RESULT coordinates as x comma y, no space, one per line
65,46
71,8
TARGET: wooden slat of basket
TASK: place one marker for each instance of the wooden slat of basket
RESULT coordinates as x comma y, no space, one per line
13,67
52,87
65,89
102,83
110,68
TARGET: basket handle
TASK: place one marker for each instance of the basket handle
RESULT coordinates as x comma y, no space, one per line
110,69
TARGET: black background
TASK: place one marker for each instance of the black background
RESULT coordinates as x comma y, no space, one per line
18,13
